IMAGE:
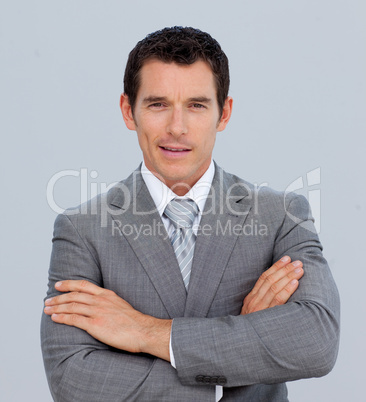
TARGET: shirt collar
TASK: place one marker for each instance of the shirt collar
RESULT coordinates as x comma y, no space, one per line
162,195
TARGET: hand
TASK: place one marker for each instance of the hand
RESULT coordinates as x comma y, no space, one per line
274,287
108,318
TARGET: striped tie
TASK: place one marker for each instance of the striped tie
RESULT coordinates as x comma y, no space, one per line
182,213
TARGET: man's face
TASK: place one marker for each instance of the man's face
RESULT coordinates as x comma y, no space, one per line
176,117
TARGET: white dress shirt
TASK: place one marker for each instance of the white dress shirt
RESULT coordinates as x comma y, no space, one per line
162,195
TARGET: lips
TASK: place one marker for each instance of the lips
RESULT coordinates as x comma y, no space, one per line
175,149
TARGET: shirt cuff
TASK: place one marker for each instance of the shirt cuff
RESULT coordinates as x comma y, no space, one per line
172,360
219,392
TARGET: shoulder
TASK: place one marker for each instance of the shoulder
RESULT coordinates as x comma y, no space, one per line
118,197
261,195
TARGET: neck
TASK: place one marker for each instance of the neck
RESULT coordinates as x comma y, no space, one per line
183,185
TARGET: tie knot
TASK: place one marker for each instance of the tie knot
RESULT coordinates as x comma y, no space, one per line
181,212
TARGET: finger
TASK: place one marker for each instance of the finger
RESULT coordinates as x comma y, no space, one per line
70,308
282,282
277,293
73,320
283,296
71,297
271,276
271,284
270,271
83,286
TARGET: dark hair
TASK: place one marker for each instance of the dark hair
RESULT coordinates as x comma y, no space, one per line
182,46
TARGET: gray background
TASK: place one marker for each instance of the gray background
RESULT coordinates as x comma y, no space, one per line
298,82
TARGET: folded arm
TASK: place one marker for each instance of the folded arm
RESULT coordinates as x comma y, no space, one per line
287,342
80,367
111,320
103,331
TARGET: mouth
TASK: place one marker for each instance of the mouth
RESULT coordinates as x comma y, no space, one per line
175,149
174,152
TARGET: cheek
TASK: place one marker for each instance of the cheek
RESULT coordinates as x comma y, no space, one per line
203,128
148,134
208,140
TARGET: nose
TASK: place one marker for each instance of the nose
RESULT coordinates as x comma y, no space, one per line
177,123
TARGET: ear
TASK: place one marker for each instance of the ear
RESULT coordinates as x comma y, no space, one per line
226,114
126,110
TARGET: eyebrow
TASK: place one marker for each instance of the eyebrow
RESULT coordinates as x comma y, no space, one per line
153,99
156,99
200,99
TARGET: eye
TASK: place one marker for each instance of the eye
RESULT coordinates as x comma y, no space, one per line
156,105
198,106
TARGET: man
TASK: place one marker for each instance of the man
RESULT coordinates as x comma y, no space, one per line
160,292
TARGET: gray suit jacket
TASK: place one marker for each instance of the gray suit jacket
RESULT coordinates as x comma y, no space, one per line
118,241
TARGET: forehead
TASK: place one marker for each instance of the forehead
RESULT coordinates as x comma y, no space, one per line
160,78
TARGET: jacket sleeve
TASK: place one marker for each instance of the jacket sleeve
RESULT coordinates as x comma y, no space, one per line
279,344
80,368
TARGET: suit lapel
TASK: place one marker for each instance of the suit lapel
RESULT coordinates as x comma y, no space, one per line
226,209
150,243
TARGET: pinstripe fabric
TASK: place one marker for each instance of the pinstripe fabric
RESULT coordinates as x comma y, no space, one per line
182,213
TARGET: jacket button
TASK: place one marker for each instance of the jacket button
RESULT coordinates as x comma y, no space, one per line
207,380
199,378
222,380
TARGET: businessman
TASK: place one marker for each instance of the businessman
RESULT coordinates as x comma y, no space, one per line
184,282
